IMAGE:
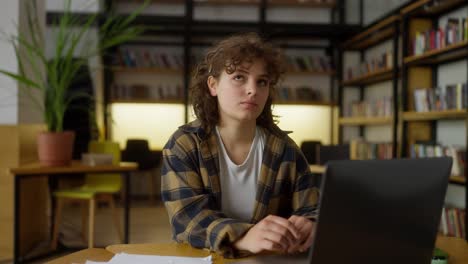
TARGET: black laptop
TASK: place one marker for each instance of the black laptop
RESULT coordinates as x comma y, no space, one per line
380,211
376,212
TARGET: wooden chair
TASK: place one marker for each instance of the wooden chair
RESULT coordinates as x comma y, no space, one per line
97,188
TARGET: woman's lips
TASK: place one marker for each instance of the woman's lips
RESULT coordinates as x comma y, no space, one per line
249,104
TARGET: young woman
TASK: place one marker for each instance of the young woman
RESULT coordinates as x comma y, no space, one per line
232,181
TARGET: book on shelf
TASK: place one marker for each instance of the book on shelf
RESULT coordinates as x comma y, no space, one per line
147,57
452,222
448,97
430,149
376,108
146,92
455,31
364,150
369,66
309,63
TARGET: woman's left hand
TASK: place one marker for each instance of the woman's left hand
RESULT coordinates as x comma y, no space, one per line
306,234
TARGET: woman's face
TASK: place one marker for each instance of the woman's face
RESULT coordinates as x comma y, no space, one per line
242,94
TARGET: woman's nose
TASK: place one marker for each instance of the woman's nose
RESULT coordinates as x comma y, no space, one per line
251,88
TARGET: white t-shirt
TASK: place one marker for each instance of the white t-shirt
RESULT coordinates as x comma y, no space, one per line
239,182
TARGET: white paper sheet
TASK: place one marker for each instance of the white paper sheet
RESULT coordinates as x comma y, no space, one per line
124,258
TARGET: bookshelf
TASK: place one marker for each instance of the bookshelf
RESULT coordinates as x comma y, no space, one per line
450,53
433,44
189,31
372,71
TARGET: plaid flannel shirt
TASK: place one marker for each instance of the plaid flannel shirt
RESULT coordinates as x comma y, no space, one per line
192,194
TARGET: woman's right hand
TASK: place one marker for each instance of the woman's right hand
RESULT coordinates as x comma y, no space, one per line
273,233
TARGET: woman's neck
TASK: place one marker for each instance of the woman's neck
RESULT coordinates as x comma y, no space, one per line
239,133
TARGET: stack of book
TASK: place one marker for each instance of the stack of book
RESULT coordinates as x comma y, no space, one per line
363,150
452,222
428,149
383,62
376,108
452,96
144,92
147,57
455,31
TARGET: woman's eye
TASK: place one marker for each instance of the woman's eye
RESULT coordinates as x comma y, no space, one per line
263,82
238,77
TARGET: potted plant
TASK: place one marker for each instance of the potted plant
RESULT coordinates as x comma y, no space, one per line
52,77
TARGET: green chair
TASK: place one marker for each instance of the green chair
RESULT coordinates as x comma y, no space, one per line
97,188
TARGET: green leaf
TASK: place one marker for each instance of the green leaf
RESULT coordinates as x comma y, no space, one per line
21,79
54,77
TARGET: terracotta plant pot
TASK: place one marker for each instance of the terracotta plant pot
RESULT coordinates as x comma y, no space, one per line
55,148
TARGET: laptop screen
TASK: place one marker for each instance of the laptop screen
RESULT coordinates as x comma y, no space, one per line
380,211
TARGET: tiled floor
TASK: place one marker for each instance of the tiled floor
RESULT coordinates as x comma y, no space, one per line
148,224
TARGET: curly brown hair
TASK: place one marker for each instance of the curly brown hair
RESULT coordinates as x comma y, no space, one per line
227,55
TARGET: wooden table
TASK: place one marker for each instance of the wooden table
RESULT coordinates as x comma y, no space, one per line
76,168
456,247
94,254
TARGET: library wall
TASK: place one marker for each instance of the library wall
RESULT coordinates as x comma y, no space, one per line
453,132
8,106
8,91
15,104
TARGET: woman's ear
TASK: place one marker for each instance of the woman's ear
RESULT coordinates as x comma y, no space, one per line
212,85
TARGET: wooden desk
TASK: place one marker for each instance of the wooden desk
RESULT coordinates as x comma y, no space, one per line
168,249
456,247
76,168
94,254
